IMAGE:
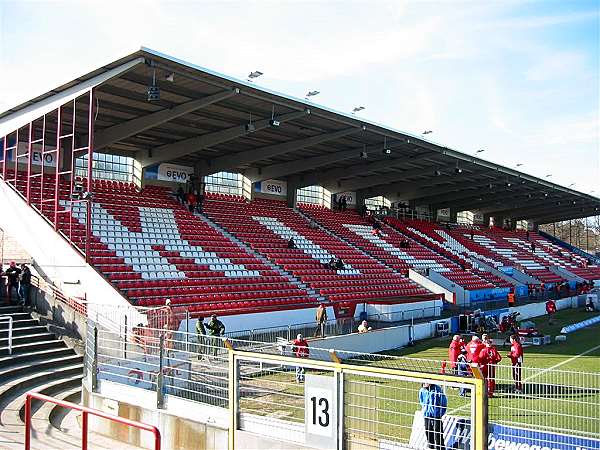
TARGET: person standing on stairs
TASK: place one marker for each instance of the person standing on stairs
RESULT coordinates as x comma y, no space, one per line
12,275
24,284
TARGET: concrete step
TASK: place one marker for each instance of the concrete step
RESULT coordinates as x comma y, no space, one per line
19,324
10,309
54,389
17,387
13,371
18,315
23,331
58,413
29,346
30,337
6,361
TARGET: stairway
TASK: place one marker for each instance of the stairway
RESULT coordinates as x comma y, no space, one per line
39,362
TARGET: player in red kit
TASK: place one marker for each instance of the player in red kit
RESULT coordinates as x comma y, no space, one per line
516,358
473,349
456,345
488,358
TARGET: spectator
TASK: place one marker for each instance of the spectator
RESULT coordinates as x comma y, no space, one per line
200,203
12,275
364,210
488,358
344,203
321,318
473,349
330,264
24,284
215,329
472,234
511,299
364,327
516,359
533,247
300,350
433,403
527,235
463,369
339,264
180,195
192,199
589,304
200,336
376,228
291,244
456,346
312,225
2,288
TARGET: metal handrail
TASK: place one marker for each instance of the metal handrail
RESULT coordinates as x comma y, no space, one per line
10,331
84,419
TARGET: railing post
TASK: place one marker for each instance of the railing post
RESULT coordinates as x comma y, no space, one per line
84,430
187,330
27,422
95,362
160,398
125,339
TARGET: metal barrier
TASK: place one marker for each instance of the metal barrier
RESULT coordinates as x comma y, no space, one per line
9,319
84,419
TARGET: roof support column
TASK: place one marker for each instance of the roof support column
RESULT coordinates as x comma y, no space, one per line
292,194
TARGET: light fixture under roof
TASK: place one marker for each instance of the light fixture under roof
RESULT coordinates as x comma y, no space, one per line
255,74
357,109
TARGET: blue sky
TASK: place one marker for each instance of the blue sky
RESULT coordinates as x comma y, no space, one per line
519,79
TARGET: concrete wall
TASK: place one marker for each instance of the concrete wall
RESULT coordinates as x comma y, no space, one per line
431,285
462,297
565,273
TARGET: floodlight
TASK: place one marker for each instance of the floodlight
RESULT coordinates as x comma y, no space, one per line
274,122
508,184
255,74
363,155
312,93
387,151
481,150
557,203
250,128
457,170
437,173
427,132
357,109
170,77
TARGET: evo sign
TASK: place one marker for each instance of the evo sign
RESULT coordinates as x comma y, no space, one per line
172,172
272,187
36,156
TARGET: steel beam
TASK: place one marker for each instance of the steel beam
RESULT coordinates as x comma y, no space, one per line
291,167
561,217
185,147
249,156
113,134
429,192
332,175
483,198
548,203
399,187
555,210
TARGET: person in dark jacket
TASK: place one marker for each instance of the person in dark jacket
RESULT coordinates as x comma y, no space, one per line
12,275
24,284
433,403
291,244
2,288
200,336
216,329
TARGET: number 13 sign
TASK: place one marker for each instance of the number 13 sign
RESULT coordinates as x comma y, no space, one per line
320,411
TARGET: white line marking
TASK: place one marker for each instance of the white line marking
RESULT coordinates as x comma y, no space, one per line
563,362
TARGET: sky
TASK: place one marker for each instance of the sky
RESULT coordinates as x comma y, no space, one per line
519,79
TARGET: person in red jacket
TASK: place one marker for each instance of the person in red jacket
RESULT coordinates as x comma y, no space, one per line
300,350
550,309
473,349
456,345
488,358
516,358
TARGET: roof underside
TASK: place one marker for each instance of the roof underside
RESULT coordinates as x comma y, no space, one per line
201,117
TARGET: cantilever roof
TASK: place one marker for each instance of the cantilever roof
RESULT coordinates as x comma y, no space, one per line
201,120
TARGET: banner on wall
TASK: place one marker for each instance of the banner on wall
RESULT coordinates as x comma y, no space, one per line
477,217
169,172
36,156
272,187
350,197
443,213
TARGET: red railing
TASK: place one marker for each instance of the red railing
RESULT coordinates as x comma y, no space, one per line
84,419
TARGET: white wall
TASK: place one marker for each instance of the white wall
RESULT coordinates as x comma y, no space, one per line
371,342
405,311
431,285
461,296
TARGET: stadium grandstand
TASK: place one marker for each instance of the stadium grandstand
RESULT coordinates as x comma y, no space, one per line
154,193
